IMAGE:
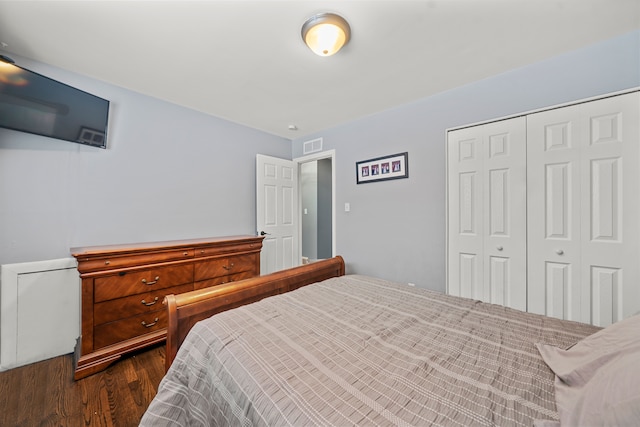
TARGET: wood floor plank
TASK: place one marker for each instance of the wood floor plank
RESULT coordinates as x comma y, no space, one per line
45,394
54,402
9,389
32,393
122,399
147,374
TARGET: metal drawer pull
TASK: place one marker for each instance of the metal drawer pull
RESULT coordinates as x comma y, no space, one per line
148,325
151,283
149,303
228,267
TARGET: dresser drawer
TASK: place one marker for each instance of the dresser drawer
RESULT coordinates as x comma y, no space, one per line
225,249
116,309
86,264
225,266
131,327
141,281
221,280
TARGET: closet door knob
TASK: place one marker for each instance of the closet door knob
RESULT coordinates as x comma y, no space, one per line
499,248
559,251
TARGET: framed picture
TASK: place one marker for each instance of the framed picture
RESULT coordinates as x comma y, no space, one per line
395,166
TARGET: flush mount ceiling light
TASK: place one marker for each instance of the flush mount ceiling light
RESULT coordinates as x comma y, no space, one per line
6,60
326,33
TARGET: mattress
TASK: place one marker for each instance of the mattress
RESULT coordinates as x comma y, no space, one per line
357,350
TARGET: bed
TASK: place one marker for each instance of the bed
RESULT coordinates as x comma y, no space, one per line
333,350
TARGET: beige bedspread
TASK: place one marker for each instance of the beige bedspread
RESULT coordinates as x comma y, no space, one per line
356,350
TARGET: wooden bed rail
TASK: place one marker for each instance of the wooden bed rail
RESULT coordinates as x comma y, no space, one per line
184,310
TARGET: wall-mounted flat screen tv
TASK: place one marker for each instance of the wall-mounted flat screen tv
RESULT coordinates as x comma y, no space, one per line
33,103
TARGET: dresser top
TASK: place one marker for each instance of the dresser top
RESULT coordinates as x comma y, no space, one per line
169,244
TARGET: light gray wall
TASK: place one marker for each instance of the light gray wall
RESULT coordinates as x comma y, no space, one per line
396,229
168,173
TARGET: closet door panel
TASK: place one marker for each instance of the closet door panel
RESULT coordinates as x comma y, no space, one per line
487,213
505,213
558,291
583,181
608,304
464,222
610,208
469,285
500,273
554,141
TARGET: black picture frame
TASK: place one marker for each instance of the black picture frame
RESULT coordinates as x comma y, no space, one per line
394,166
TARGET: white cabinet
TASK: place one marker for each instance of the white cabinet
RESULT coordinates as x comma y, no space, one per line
39,311
543,211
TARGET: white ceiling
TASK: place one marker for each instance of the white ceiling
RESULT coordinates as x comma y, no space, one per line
245,61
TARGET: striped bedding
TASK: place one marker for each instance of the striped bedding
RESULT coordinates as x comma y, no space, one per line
356,350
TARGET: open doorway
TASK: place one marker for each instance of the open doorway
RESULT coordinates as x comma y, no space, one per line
316,187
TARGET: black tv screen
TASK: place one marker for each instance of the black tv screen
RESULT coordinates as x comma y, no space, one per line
33,103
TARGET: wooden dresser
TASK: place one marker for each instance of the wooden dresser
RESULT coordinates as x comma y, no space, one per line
123,287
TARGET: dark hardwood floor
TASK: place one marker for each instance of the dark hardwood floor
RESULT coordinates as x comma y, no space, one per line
45,394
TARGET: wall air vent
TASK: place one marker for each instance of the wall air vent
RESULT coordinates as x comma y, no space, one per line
312,146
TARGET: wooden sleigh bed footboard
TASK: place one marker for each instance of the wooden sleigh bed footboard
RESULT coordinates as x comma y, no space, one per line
184,310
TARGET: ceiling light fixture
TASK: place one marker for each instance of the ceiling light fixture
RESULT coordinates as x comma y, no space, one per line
6,59
326,33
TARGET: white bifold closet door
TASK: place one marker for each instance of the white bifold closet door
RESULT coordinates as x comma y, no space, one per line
583,186
487,213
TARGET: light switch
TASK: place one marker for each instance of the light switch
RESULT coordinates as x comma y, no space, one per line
347,207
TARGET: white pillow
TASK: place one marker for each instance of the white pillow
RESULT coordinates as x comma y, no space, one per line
598,379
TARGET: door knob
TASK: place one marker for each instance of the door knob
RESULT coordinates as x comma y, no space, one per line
262,233
559,251
499,248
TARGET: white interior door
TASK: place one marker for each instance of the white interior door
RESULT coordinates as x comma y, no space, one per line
487,213
276,213
584,246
